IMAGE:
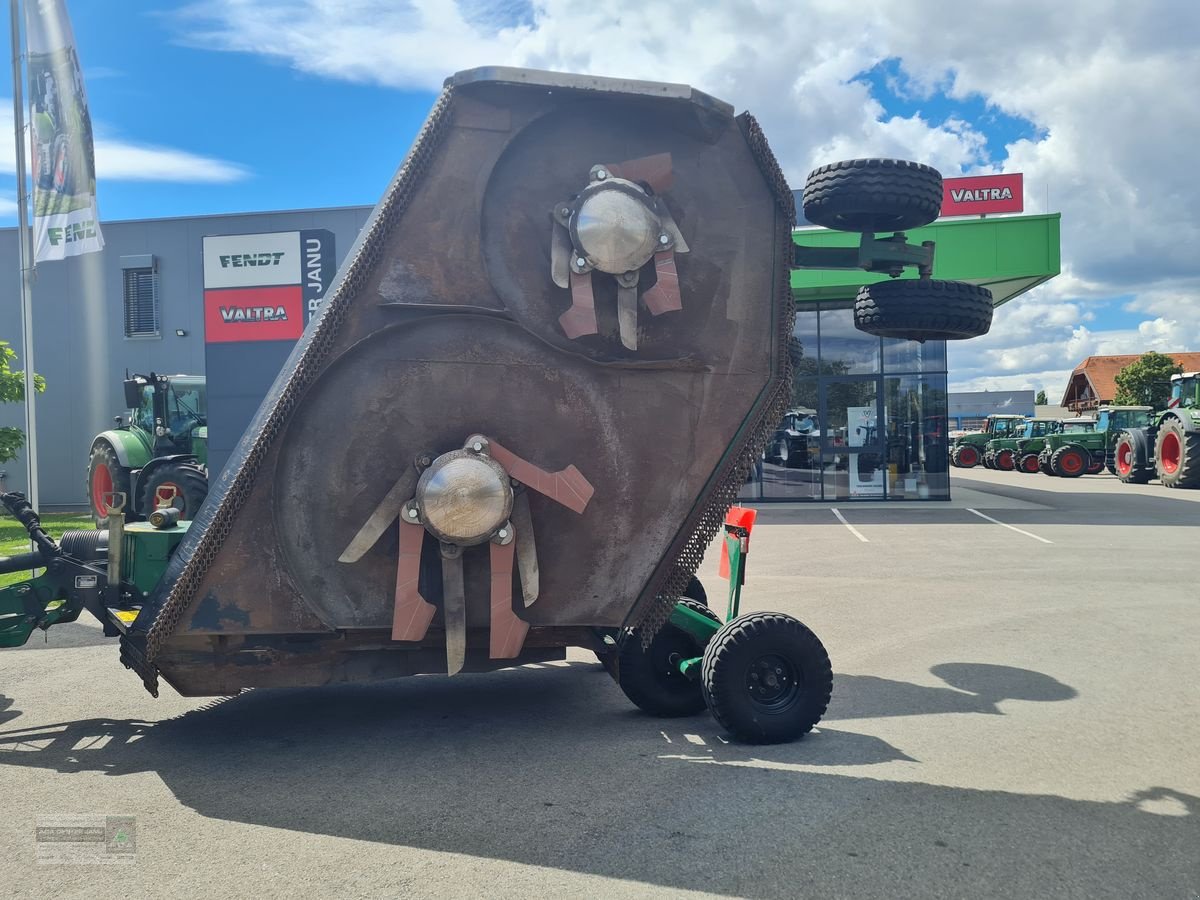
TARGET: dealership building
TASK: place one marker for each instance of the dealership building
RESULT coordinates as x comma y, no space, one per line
226,296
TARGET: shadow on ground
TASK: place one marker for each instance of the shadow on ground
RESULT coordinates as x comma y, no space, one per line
551,768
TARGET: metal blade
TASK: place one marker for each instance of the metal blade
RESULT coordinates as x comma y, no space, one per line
507,629
627,315
654,170
454,612
567,487
664,296
580,319
560,255
412,613
384,515
671,228
527,561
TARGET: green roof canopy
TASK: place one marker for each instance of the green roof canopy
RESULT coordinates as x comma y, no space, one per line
1008,255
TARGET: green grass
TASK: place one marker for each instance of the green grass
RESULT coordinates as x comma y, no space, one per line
14,539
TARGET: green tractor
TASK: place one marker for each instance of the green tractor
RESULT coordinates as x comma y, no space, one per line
1169,446
1070,427
1069,455
157,455
1005,453
968,449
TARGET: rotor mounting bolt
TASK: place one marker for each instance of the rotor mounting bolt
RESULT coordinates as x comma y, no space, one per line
566,210
502,533
580,261
601,174
477,446
412,513
664,238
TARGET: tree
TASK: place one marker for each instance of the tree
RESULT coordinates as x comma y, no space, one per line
1146,382
1040,399
12,390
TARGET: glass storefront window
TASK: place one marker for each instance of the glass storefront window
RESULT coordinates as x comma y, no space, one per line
915,422
867,419
912,356
844,349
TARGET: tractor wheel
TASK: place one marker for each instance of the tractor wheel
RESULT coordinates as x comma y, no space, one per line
1068,462
923,310
1177,455
766,678
954,457
1028,464
781,453
650,676
1044,465
106,475
968,456
1094,468
1126,462
1006,460
873,195
986,461
189,481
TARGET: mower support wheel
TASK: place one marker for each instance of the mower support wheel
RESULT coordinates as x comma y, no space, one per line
923,309
766,678
873,195
650,676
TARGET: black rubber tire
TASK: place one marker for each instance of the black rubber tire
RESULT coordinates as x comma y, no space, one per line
192,484
1111,468
103,454
1044,465
873,195
764,641
976,457
1094,468
1024,462
1006,460
923,310
695,591
1187,474
646,676
1137,474
1069,462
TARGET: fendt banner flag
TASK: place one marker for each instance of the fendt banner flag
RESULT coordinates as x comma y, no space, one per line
65,221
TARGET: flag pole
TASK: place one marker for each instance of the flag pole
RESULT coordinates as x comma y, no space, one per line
25,254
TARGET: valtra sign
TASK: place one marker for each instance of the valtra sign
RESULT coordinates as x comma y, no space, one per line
264,287
976,195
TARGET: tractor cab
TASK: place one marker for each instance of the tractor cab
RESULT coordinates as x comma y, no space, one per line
1112,420
1081,425
1185,390
166,410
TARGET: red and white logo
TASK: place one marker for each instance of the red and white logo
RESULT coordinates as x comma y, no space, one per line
979,194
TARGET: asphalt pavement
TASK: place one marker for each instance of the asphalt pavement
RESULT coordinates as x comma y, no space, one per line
1014,715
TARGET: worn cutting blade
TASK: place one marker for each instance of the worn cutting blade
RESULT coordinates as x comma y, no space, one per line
567,486
507,629
656,171
670,227
527,561
412,612
454,612
580,318
384,515
627,314
560,255
664,296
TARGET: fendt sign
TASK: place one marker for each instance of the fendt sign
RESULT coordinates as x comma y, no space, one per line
977,195
264,287
260,290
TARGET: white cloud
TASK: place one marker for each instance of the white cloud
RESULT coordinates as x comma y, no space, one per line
1109,93
121,160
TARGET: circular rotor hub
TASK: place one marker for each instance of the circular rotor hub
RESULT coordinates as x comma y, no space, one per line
464,497
616,231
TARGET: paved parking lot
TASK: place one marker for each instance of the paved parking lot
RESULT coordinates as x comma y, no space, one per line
1014,715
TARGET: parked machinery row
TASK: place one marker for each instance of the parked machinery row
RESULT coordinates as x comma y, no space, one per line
1135,443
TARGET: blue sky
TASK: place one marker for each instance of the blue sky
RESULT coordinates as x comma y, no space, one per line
239,105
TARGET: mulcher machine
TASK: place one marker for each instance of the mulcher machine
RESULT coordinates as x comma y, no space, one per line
520,419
